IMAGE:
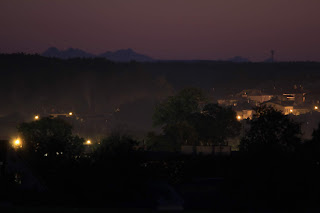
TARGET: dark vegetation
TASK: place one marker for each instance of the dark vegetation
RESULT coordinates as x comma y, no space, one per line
188,118
274,168
35,83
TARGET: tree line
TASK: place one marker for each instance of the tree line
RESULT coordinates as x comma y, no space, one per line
187,118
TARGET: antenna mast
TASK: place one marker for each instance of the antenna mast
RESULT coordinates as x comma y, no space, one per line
272,55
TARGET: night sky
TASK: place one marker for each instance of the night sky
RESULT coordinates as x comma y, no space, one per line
165,29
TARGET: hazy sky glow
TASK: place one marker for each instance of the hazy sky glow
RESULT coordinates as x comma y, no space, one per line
165,29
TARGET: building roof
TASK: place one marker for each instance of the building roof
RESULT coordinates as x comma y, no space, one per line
278,102
243,106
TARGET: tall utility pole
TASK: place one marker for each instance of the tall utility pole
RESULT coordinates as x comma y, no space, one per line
272,55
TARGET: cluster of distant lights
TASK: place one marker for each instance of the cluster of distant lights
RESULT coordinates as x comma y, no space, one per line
291,111
17,143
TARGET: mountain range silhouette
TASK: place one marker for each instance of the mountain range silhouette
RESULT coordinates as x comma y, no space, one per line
123,55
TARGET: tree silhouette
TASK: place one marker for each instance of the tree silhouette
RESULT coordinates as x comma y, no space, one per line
312,147
215,124
185,121
115,146
271,131
50,139
173,115
176,109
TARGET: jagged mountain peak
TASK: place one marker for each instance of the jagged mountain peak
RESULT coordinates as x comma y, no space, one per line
122,55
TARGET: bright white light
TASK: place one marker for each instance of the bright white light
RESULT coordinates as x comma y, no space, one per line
239,117
88,142
36,117
70,113
315,107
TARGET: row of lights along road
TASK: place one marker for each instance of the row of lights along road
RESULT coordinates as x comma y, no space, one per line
18,144
37,117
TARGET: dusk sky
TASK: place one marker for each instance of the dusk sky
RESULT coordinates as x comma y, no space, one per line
165,29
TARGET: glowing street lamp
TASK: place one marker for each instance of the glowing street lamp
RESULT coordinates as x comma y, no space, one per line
36,117
17,143
238,117
316,107
88,142
70,113
291,110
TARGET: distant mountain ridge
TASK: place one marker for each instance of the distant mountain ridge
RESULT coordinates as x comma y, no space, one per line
65,54
124,55
238,59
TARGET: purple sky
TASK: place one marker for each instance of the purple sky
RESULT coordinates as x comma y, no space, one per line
165,29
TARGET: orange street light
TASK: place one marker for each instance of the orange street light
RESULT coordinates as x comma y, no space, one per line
17,143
